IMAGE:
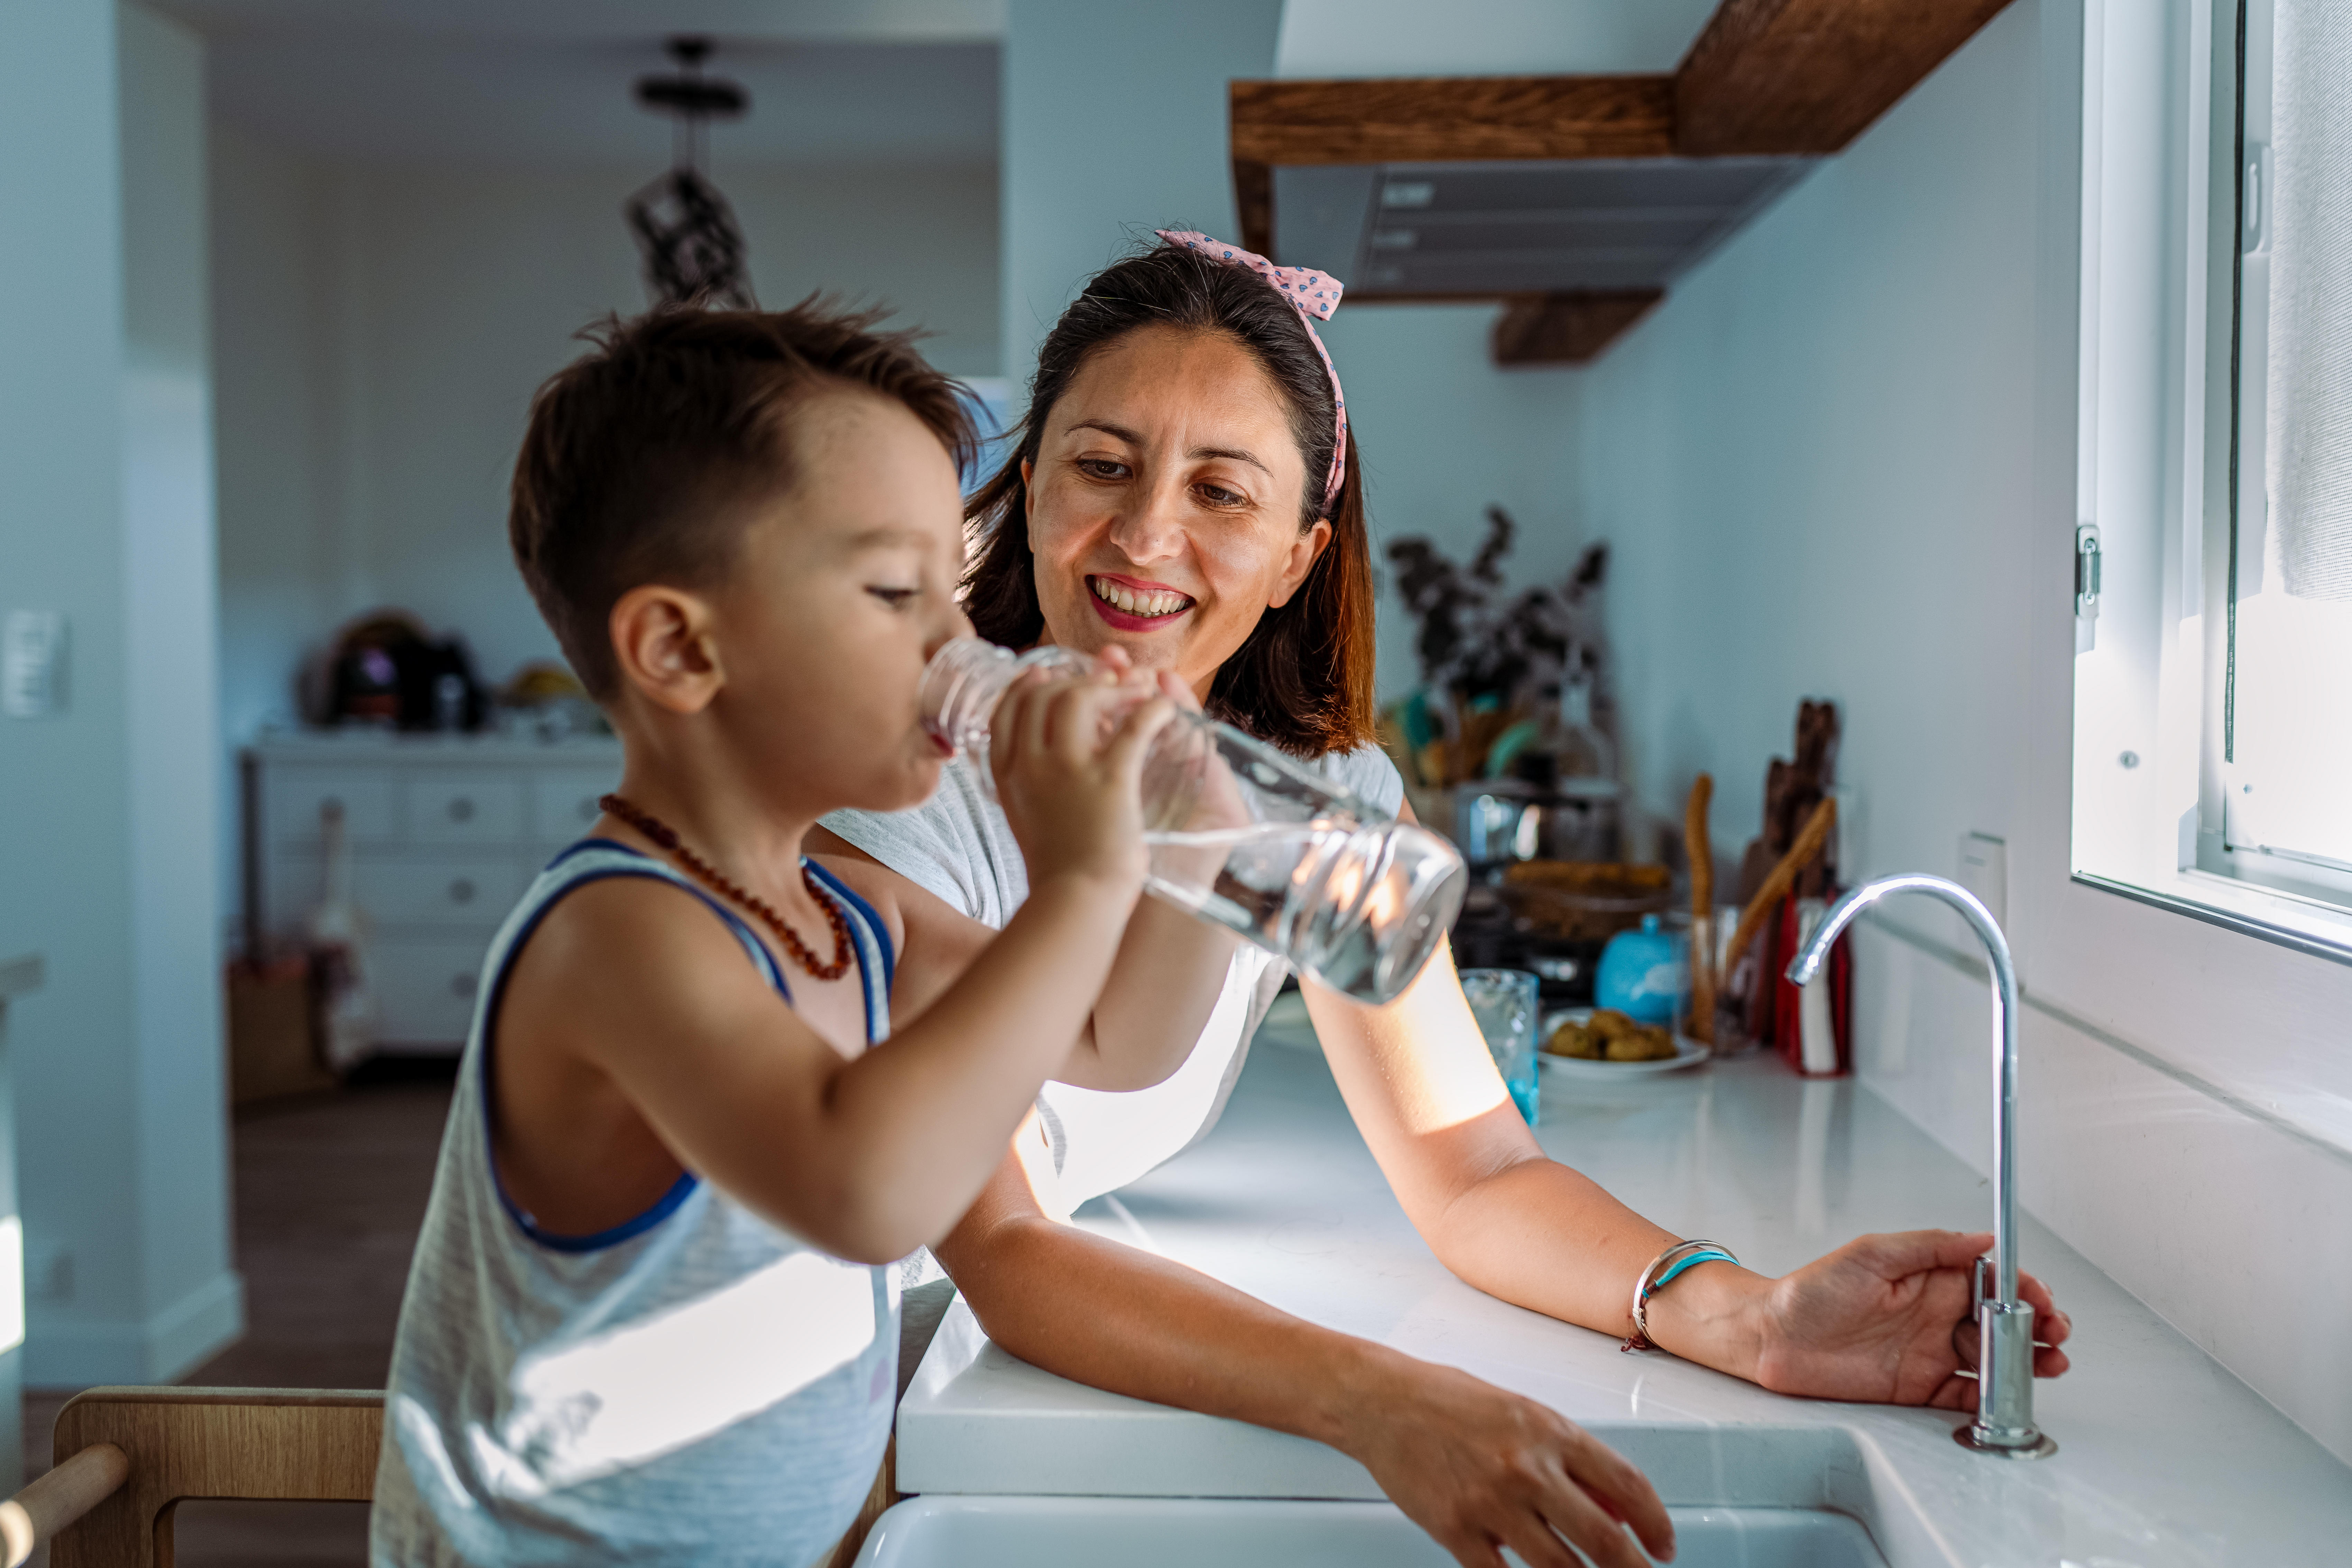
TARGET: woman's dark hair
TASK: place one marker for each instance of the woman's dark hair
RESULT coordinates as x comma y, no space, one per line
1303,678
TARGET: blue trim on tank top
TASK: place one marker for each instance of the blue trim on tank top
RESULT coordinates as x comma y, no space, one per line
881,933
683,1188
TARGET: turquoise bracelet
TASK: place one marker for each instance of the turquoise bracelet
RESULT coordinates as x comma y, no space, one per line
1709,1254
1661,1273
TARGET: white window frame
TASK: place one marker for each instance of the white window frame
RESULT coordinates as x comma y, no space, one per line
2160,254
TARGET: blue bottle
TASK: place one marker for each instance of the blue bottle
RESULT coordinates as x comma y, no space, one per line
1642,973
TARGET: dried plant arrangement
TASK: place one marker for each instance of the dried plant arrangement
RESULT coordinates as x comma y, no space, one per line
1489,659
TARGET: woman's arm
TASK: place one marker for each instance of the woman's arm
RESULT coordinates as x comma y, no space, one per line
1873,1320
1469,1463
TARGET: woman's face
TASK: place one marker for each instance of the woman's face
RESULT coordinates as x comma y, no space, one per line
1164,503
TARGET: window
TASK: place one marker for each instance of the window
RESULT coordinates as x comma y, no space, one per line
2213,667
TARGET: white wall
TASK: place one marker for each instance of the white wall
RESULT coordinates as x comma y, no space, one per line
285,569
108,852
1840,461
1442,433
382,329
171,609
1485,37
1115,124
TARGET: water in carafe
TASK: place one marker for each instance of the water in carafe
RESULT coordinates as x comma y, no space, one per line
1249,839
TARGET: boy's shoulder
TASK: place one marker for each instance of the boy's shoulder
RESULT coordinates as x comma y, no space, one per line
933,940
887,894
635,923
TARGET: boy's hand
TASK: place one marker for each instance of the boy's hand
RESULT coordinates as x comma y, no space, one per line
1067,755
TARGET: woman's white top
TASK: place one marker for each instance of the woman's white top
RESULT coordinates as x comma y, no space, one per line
694,1386
959,845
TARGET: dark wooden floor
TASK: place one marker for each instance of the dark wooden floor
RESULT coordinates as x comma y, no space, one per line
330,1192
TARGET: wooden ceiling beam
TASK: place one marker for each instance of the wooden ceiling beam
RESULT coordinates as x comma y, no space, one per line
1254,202
1436,120
1443,119
1764,77
1809,76
1569,328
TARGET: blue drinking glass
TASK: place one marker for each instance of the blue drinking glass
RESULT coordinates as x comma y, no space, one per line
1504,1003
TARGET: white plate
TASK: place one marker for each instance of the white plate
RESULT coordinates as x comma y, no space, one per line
1687,1052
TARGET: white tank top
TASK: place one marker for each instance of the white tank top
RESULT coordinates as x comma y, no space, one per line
692,1386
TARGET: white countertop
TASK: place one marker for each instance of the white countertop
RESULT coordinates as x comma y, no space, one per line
2165,1457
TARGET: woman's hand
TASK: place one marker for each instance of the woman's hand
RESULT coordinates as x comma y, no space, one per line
1481,1469
1888,1319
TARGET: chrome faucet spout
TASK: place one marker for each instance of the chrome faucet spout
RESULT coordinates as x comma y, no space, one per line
2004,1422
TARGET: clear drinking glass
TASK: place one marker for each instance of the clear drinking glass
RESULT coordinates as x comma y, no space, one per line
1248,839
1504,1003
1681,930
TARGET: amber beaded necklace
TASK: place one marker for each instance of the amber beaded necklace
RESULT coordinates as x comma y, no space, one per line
663,833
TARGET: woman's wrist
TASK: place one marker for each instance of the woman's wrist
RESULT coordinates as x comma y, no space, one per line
1357,1394
1713,1313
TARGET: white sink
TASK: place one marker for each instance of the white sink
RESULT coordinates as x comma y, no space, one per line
952,1532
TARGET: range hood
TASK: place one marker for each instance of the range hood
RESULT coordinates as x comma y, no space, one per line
1575,201
1485,230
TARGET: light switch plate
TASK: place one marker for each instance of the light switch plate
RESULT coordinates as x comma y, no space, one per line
32,663
1984,871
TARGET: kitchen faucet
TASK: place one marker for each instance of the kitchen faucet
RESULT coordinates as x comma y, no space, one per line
2004,1422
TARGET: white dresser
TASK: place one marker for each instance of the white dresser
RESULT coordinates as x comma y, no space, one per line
445,833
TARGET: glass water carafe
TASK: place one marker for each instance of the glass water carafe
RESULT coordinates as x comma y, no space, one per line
1249,839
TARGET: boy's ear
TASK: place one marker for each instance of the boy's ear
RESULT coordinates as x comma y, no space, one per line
662,641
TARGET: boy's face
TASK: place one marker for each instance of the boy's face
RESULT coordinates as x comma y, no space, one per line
844,588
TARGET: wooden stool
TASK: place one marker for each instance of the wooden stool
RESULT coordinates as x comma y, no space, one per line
126,1457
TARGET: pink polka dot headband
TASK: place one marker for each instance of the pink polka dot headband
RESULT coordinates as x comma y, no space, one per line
1315,295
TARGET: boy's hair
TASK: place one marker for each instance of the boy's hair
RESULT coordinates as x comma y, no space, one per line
641,457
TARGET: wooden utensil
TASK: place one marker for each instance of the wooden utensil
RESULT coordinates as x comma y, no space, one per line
1782,877
1702,864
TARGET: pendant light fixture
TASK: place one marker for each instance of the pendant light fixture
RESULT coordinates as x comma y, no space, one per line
693,247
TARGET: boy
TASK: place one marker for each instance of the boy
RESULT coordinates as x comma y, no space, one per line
650,1317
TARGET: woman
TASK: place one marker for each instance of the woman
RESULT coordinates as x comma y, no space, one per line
1186,490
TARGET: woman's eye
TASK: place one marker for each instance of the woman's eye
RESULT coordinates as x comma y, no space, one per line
895,597
1101,468
1218,495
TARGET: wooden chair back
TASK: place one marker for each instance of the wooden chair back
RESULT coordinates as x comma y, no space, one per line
291,1445
126,1457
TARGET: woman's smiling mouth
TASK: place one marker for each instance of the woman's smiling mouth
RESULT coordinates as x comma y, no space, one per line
1130,607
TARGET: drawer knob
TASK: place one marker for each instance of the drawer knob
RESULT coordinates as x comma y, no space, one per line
461,810
461,984
461,891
